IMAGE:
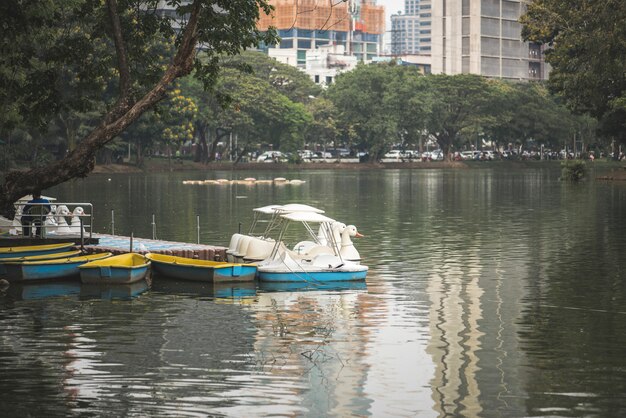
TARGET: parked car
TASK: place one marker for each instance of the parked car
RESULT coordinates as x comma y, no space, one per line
271,156
307,154
395,154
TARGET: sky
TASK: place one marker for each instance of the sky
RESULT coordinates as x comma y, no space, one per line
391,7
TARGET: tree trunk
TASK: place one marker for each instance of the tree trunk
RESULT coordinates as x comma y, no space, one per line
80,161
219,134
202,152
241,154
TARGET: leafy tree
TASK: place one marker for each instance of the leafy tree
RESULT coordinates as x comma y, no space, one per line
367,101
181,110
286,79
39,41
587,53
323,128
457,104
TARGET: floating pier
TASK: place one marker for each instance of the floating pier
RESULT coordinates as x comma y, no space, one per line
118,244
247,181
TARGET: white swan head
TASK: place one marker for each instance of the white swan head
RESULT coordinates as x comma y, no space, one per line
351,231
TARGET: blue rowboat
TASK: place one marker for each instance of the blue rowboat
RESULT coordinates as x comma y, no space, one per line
28,250
119,269
64,254
59,268
201,270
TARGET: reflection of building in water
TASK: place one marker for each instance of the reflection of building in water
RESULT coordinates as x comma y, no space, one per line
474,341
317,347
455,312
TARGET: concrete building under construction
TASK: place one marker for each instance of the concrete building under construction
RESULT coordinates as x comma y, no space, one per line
348,32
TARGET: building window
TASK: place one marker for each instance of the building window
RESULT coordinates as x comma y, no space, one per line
286,43
329,80
317,79
301,57
304,44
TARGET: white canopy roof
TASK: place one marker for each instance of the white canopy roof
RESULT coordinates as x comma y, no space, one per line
30,197
297,207
307,217
267,209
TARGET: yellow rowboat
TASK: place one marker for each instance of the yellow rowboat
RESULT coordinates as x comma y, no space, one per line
119,269
28,250
65,254
59,268
201,270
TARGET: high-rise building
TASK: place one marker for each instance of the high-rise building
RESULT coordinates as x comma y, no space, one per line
411,31
483,37
346,31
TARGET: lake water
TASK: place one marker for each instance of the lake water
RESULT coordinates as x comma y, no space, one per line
491,292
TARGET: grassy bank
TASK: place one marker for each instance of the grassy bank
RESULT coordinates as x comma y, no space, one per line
606,170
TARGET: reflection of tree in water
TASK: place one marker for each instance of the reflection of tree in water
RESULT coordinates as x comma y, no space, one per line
574,328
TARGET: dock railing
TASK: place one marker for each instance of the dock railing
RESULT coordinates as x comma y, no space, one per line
47,220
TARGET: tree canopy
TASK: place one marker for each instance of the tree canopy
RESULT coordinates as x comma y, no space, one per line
587,52
88,46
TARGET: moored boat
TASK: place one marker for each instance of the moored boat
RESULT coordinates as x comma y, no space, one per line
119,269
319,264
64,254
30,250
59,268
184,268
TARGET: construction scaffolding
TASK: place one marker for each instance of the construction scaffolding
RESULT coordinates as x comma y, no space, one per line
324,15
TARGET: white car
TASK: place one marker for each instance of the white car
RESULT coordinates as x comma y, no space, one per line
395,154
270,157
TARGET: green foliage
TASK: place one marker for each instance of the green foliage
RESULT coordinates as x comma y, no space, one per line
370,106
587,54
573,170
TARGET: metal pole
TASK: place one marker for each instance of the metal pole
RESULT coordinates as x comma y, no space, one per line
131,242
82,235
112,222
153,227
198,227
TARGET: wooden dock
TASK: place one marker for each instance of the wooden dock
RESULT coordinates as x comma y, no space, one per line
118,244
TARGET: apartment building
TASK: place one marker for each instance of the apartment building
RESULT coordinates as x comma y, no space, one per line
483,37
325,38
411,32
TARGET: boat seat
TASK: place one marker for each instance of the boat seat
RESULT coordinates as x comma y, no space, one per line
320,250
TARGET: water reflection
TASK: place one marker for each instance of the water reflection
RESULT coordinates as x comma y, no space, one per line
235,291
490,293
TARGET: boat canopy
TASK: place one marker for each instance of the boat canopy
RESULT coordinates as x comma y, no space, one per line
297,207
307,217
268,210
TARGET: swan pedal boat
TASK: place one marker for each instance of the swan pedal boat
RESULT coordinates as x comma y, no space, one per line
184,268
65,254
29,250
118,269
59,268
327,265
